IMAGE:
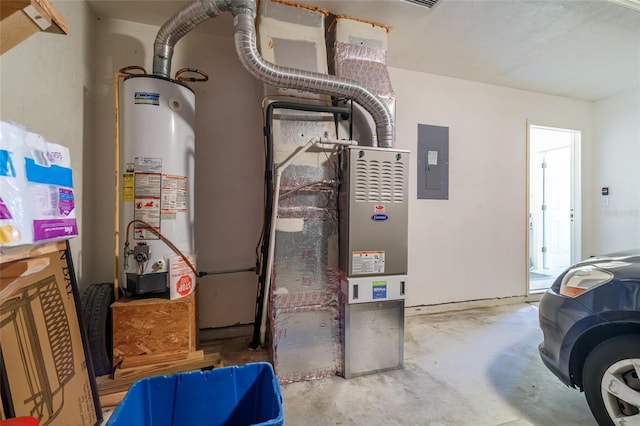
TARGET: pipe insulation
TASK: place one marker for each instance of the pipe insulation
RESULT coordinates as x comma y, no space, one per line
244,13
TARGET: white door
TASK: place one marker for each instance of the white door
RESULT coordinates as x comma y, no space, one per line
556,208
553,197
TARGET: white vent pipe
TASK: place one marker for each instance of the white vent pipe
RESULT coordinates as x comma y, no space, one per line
244,13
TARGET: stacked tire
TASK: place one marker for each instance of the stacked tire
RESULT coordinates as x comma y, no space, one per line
96,303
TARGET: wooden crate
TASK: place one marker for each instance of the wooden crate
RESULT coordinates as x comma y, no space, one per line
154,328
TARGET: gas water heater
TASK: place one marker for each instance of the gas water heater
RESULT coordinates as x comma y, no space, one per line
373,202
157,160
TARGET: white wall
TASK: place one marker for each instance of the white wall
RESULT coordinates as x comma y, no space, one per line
229,162
472,246
46,84
617,165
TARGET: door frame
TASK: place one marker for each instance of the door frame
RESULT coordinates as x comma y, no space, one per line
576,195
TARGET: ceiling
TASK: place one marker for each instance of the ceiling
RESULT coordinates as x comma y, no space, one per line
583,49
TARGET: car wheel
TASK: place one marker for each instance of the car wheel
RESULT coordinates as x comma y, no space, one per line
610,381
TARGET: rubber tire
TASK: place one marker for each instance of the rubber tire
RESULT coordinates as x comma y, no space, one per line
598,361
96,314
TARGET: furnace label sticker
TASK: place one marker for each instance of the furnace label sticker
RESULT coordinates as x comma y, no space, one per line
367,262
146,98
379,290
174,194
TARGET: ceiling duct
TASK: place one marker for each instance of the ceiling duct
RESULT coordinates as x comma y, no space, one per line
429,4
244,13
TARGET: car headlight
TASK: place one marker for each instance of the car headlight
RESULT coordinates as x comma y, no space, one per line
583,278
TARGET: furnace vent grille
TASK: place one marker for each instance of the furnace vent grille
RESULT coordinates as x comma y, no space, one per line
379,181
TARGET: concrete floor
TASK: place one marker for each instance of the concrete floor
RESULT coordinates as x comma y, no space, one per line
475,367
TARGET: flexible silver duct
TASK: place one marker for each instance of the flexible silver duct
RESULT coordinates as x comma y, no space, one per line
244,13
279,76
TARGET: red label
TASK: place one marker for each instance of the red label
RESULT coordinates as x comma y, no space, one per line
184,284
379,209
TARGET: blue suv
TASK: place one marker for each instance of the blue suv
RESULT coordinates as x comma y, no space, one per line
590,319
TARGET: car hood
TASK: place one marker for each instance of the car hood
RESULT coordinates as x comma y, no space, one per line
616,296
613,261
624,266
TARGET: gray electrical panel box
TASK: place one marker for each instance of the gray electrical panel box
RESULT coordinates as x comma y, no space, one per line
433,162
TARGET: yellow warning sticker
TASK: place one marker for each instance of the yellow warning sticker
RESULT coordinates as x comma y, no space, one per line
127,187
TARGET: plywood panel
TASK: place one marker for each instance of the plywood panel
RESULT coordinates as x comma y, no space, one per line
152,326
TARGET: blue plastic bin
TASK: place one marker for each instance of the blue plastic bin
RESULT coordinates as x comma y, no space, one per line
238,396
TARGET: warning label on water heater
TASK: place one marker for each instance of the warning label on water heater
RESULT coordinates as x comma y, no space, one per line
367,262
174,194
148,165
147,210
182,280
147,185
147,192
127,187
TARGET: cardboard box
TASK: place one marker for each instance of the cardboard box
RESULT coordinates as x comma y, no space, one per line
44,356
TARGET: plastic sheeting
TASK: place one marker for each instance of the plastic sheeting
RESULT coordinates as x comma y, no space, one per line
358,53
306,313
308,332
366,65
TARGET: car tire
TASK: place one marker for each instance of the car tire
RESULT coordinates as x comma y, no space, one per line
611,367
96,303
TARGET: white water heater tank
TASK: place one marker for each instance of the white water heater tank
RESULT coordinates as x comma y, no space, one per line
157,159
